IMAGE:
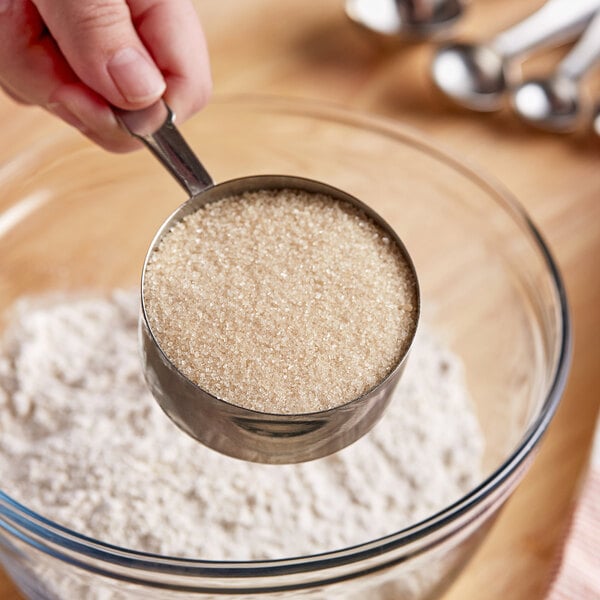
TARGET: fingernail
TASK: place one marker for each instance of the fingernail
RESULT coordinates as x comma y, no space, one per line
66,115
136,78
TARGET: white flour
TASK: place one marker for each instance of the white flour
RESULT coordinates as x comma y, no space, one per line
83,442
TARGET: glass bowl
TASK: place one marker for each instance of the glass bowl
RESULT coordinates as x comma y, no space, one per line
76,218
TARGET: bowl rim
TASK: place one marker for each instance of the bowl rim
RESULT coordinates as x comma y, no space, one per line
76,548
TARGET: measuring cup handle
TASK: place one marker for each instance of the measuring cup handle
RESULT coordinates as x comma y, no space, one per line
155,127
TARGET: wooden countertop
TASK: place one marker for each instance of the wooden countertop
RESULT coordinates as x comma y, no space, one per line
307,48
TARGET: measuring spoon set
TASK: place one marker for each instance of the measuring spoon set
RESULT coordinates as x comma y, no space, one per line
484,76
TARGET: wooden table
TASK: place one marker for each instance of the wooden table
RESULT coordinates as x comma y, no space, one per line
307,48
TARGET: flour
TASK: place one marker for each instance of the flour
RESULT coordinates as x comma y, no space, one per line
83,442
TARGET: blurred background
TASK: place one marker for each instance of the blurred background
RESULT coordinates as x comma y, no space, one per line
310,49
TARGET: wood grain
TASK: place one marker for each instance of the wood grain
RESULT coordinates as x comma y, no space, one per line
306,48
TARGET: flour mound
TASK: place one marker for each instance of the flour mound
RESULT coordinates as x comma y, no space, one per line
83,442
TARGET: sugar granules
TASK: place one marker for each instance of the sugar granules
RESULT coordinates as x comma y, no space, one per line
281,301
83,442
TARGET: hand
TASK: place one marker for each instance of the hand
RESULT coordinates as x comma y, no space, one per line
79,58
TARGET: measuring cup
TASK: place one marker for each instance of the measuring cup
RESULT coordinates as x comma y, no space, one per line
230,429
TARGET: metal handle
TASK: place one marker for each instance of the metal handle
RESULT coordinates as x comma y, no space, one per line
155,128
556,22
584,55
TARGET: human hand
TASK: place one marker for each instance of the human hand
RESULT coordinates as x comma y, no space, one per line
79,58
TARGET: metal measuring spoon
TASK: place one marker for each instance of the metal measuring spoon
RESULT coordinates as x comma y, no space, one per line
230,429
477,75
557,103
596,120
406,18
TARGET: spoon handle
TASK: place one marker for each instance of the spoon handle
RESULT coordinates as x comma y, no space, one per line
596,121
584,54
155,128
556,22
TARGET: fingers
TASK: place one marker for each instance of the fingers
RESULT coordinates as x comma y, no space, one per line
171,31
86,110
33,71
30,64
80,59
132,52
100,43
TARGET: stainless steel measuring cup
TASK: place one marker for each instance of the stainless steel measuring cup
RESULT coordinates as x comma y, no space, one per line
230,429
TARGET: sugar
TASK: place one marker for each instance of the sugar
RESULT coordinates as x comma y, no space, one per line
281,301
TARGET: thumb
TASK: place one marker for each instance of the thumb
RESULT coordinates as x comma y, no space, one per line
100,43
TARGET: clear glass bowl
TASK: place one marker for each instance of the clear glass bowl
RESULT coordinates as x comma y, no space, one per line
75,218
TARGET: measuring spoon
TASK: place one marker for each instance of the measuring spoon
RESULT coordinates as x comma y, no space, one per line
596,120
477,75
231,429
408,19
557,103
